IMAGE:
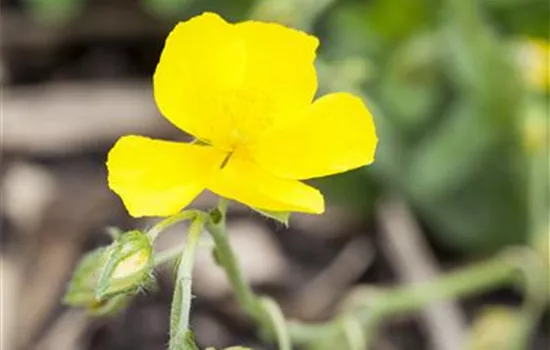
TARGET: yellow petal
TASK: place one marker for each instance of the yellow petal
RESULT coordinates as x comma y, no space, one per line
159,178
226,84
201,64
336,134
279,71
243,181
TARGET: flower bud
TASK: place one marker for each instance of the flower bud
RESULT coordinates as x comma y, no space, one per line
128,265
81,290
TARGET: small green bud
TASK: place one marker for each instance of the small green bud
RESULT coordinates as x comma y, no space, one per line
128,265
81,290
106,277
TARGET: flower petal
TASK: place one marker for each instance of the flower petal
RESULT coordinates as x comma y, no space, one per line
280,69
242,180
159,178
202,61
226,84
337,134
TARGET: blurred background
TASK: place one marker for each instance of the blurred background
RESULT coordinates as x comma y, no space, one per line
458,88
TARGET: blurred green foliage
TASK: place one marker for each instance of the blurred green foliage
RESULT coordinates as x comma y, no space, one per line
449,104
54,11
445,89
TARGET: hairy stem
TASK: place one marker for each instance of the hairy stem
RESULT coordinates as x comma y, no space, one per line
169,254
228,261
164,224
181,303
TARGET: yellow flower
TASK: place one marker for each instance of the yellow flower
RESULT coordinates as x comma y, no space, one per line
245,91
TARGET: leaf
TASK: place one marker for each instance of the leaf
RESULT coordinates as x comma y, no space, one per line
280,216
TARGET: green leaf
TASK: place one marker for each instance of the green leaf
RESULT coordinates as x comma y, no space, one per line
280,216
397,19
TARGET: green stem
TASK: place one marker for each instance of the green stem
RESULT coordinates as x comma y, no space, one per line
164,224
353,332
265,312
227,260
181,303
474,279
169,254
535,289
499,271
278,322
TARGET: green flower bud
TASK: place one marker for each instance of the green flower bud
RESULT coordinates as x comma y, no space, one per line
128,265
81,290
106,277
